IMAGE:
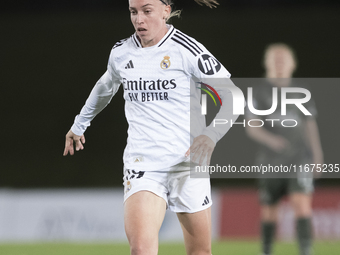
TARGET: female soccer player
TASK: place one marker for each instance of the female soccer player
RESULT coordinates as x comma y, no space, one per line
284,146
155,66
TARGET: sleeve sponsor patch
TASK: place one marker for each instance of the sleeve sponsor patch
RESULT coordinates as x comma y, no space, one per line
208,64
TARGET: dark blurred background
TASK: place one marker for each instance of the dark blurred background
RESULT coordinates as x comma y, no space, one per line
53,52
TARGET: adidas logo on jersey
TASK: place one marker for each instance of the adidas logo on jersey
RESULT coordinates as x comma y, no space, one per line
206,201
129,65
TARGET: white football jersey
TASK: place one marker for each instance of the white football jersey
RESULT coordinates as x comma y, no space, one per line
156,84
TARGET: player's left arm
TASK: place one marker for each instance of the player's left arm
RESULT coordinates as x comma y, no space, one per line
217,78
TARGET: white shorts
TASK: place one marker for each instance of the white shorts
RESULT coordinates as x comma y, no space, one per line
174,184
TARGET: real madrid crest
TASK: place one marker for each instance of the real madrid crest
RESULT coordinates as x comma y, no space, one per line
165,64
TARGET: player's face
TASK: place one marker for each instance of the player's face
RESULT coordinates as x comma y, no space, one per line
279,63
148,17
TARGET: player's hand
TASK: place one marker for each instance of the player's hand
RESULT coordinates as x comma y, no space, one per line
73,138
201,148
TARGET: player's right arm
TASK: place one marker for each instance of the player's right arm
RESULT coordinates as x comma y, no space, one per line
100,96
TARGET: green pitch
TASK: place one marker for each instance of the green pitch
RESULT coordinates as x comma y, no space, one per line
219,248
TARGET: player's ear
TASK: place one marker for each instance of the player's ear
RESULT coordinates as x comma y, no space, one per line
166,12
294,64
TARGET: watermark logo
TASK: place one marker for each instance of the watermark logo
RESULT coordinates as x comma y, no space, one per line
239,100
209,93
204,96
282,104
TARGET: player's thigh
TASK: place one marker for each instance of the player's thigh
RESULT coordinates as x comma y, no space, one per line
196,231
143,215
191,199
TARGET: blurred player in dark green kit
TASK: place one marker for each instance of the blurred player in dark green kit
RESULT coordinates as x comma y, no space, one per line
281,145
